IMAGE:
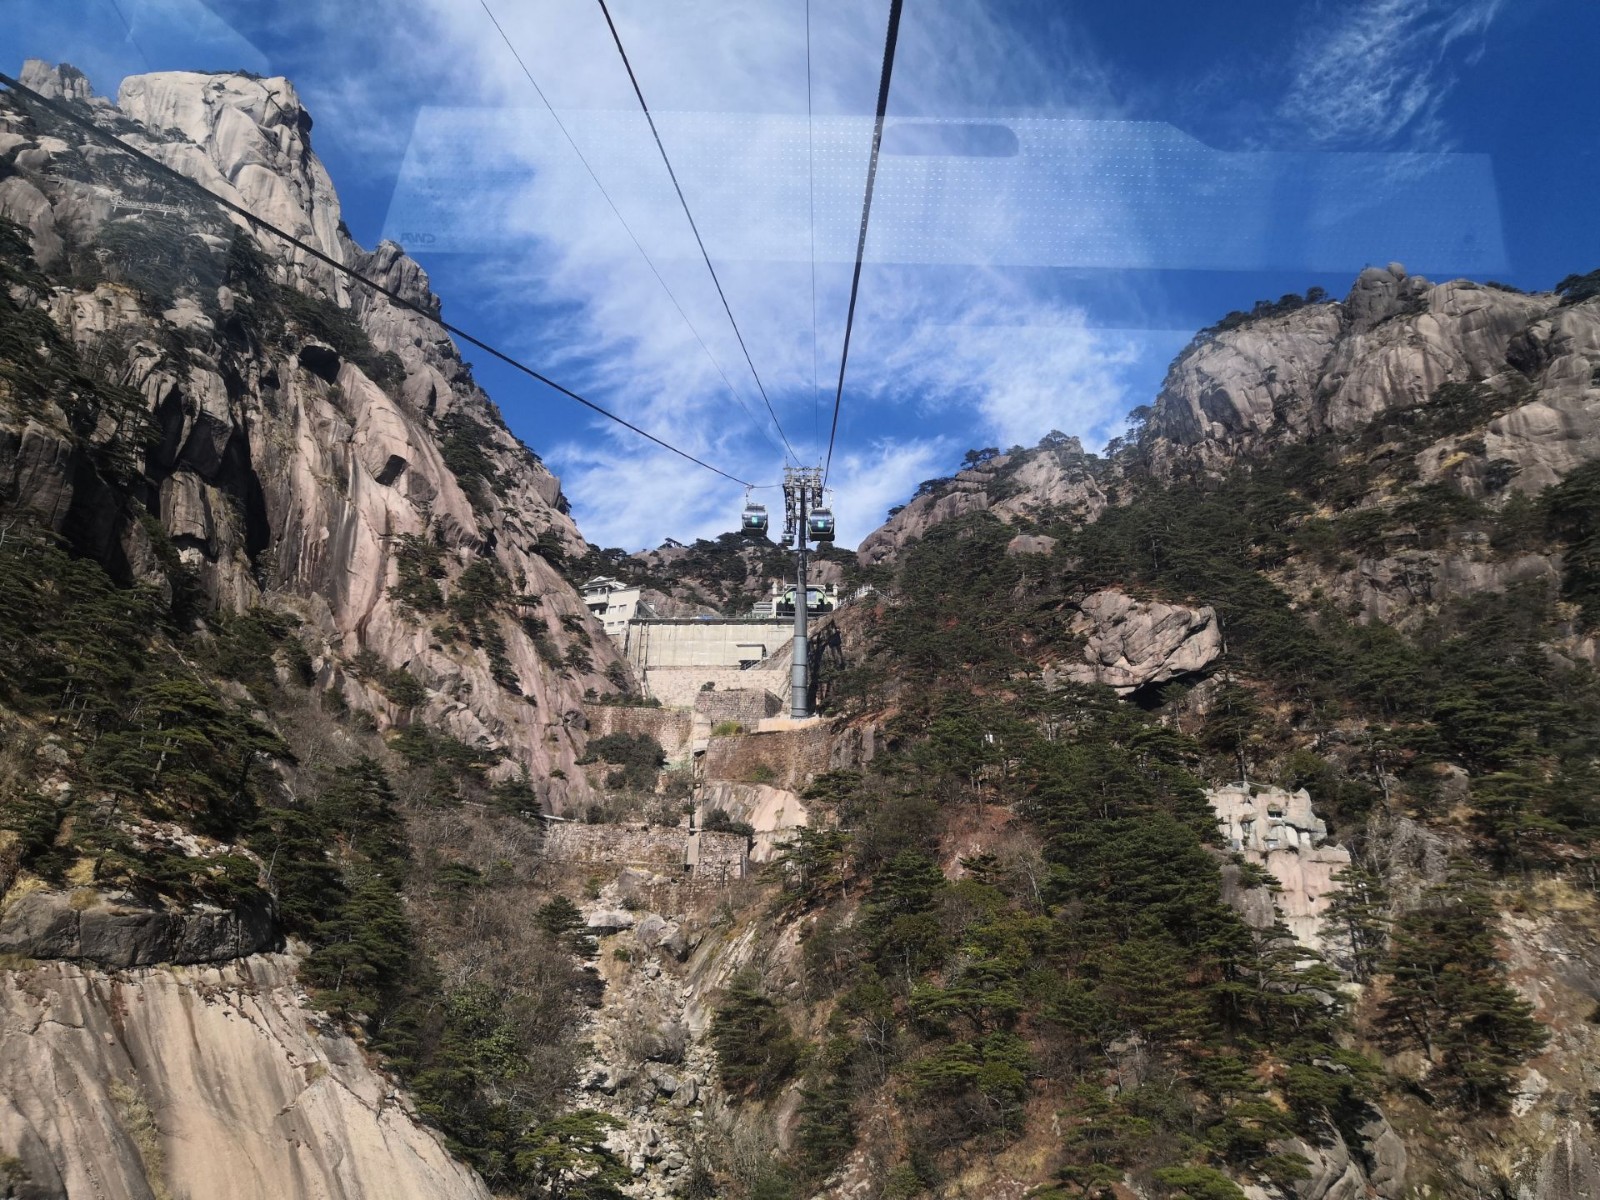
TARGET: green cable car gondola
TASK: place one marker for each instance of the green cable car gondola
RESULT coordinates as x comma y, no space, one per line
819,525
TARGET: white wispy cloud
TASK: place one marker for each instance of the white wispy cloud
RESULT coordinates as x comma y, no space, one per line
566,287
1025,380
922,361
1376,73
868,480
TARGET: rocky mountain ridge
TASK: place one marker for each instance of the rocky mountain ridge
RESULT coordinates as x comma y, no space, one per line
1475,386
347,467
1015,486
1003,952
1437,405
1386,350
324,566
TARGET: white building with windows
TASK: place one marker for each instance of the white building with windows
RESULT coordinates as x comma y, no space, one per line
615,604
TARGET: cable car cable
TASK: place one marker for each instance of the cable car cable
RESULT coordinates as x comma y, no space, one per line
121,16
866,211
393,296
811,179
649,262
695,229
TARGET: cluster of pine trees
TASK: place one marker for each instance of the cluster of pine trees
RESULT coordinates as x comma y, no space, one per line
133,692
1094,966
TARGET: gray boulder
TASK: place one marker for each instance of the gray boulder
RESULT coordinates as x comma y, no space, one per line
1334,1173
1129,643
658,933
1386,1159
609,920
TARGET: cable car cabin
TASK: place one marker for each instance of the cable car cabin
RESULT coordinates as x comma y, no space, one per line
820,599
754,519
819,525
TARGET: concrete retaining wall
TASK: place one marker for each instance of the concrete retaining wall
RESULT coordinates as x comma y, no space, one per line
725,642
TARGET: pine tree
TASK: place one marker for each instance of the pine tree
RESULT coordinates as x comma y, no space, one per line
756,1048
1449,997
1510,811
562,920
813,862
567,1158
1357,921
827,1120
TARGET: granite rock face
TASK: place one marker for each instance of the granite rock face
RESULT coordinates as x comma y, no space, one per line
118,934
287,470
1056,476
1376,1166
1130,643
209,1081
1280,831
1570,1168
1401,585
1334,367
1328,369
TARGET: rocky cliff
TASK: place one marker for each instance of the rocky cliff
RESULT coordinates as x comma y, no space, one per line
1418,411
1055,476
311,445
1479,387
1332,552
1383,354
997,946
305,563
221,1081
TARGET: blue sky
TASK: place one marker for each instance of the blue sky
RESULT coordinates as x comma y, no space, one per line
1068,191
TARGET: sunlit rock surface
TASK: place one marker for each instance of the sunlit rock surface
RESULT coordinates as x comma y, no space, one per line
214,1081
1280,831
1056,476
1129,644
284,473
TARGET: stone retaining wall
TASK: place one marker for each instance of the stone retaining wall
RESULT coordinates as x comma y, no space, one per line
670,727
680,687
786,758
674,851
749,705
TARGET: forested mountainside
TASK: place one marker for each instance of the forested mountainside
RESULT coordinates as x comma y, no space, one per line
1350,547
180,390
290,661
284,629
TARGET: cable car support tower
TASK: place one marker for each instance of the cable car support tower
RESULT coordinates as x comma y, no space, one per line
805,519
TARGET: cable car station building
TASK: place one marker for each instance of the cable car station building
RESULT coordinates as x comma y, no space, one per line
676,658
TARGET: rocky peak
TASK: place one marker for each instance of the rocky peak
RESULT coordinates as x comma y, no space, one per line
1388,349
249,140
1055,475
64,82
1380,293
318,446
